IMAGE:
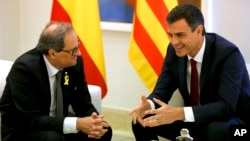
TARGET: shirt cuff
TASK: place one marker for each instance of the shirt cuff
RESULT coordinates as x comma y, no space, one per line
69,125
151,103
189,114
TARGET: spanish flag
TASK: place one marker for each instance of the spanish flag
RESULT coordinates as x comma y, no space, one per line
84,16
149,38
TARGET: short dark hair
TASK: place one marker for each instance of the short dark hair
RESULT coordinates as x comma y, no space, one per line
190,13
55,38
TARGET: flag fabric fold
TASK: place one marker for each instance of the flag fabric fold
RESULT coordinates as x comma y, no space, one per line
85,19
149,38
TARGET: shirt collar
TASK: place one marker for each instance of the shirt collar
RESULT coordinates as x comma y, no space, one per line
50,68
199,56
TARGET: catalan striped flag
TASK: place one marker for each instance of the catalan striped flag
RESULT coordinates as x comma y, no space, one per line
149,38
84,16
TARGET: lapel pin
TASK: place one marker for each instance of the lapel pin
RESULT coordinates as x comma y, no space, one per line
66,79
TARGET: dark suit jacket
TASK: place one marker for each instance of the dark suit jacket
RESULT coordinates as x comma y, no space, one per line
25,103
224,81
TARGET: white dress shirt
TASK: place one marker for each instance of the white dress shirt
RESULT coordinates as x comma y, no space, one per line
69,125
188,111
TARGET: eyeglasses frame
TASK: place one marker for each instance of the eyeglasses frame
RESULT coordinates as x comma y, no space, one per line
72,52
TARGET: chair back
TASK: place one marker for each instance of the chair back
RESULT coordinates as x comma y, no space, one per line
5,66
248,68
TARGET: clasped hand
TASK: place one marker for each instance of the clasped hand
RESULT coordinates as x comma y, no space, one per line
165,114
93,125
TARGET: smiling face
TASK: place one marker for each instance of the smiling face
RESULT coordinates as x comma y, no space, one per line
183,39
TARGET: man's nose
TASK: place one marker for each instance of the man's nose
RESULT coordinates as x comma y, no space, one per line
174,40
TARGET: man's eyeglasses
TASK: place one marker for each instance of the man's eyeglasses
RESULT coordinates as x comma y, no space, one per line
72,52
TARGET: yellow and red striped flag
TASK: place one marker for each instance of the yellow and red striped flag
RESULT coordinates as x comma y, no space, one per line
84,16
149,38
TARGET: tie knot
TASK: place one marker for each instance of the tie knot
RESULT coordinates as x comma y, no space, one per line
193,62
58,75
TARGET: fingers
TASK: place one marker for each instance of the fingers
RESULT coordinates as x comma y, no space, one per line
140,120
133,111
101,116
143,98
159,110
105,124
97,134
136,115
152,121
151,112
94,115
98,130
97,118
156,114
138,112
145,109
159,102
134,118
139,107
93,125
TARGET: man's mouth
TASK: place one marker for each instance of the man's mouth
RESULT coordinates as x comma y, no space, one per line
179,47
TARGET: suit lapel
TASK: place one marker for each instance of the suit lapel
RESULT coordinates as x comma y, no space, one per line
207,60
182,77
46,87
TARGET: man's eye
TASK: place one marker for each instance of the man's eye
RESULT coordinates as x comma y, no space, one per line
180,35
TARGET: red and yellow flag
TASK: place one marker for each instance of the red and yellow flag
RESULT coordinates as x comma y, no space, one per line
149,38
84,16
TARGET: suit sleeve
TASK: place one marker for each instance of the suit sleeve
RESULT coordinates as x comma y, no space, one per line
26,98
166,83
81,100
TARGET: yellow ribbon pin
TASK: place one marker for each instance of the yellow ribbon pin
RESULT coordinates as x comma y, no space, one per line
66,79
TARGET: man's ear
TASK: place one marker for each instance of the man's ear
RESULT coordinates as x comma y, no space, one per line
52,53
199,29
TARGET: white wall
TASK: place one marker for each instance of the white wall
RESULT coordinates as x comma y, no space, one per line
231,19
9,29
124,85
21,22
34,15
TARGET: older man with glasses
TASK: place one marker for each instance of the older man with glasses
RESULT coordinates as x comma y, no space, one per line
35,108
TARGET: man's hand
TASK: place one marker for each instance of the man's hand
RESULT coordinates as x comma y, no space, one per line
164,115
139,111
93,125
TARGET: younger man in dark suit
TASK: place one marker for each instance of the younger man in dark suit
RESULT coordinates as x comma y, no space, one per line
223,88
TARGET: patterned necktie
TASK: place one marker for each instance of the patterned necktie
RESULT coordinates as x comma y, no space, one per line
59,95
194,96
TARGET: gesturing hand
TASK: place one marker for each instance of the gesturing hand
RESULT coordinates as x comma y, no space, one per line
139,111
164,115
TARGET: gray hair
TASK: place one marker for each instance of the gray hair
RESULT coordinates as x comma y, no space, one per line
53,39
